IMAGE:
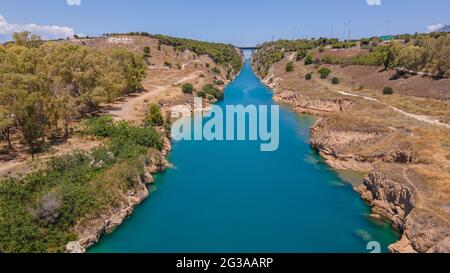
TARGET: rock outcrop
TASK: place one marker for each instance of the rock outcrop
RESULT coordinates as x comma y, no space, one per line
423,230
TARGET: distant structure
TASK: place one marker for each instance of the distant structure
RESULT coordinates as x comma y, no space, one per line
120,40
386,38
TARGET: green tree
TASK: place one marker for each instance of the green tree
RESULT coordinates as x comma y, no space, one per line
154,116
147,52
324,72
290,67
411,58
301,54
187,88
308,60
389,58
6,124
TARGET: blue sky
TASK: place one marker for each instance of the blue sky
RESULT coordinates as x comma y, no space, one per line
241,22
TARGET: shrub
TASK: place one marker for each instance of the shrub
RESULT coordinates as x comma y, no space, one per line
169,65
335,80
209,89
187,88
201,94
324,72
153,117
147,52
202,76
290,67
388,91
308,60
100,126
216,70
308,76
301,54
321,49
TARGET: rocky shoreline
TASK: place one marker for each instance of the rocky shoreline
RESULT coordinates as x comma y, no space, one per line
422,230
90,233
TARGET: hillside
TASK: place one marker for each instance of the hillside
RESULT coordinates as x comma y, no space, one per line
84,127
400,140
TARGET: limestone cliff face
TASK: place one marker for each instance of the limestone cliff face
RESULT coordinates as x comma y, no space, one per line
423,230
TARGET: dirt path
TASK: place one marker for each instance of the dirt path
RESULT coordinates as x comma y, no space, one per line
420,198
23,163
131,108
421,118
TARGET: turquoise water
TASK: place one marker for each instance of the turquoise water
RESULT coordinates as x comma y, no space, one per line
230,197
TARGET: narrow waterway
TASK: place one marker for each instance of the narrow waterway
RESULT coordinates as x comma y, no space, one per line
231,197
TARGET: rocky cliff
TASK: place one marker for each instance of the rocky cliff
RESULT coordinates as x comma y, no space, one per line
423,230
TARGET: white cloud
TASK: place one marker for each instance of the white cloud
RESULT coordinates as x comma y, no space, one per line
432,28
46,32
374,2
73,2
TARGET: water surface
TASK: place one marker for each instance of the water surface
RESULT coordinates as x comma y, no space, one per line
230,197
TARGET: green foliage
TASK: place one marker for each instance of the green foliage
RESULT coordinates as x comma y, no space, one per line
38,212
147,52
388,91
215,70
321,49
201,94
335,80
344,45
290,67
223,54
301,54
154,116
209,89
50,85
308,60
324,72
308,76
187,88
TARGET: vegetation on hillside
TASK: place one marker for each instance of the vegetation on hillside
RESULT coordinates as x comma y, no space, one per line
38,211
45,86
429,53
223,54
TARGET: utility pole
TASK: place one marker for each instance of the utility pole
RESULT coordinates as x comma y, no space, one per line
345,31
349,28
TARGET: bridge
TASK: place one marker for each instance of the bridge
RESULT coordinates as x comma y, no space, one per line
252,48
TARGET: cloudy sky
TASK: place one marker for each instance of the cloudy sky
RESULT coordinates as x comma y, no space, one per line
242,22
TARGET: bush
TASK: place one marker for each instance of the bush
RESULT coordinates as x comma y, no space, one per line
290,67
335,80
100,126
209,89
216,70
321,49
153,117
187,88
308,76
388,91
308,60
301,54
324,72
147,52
167,64
201,94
